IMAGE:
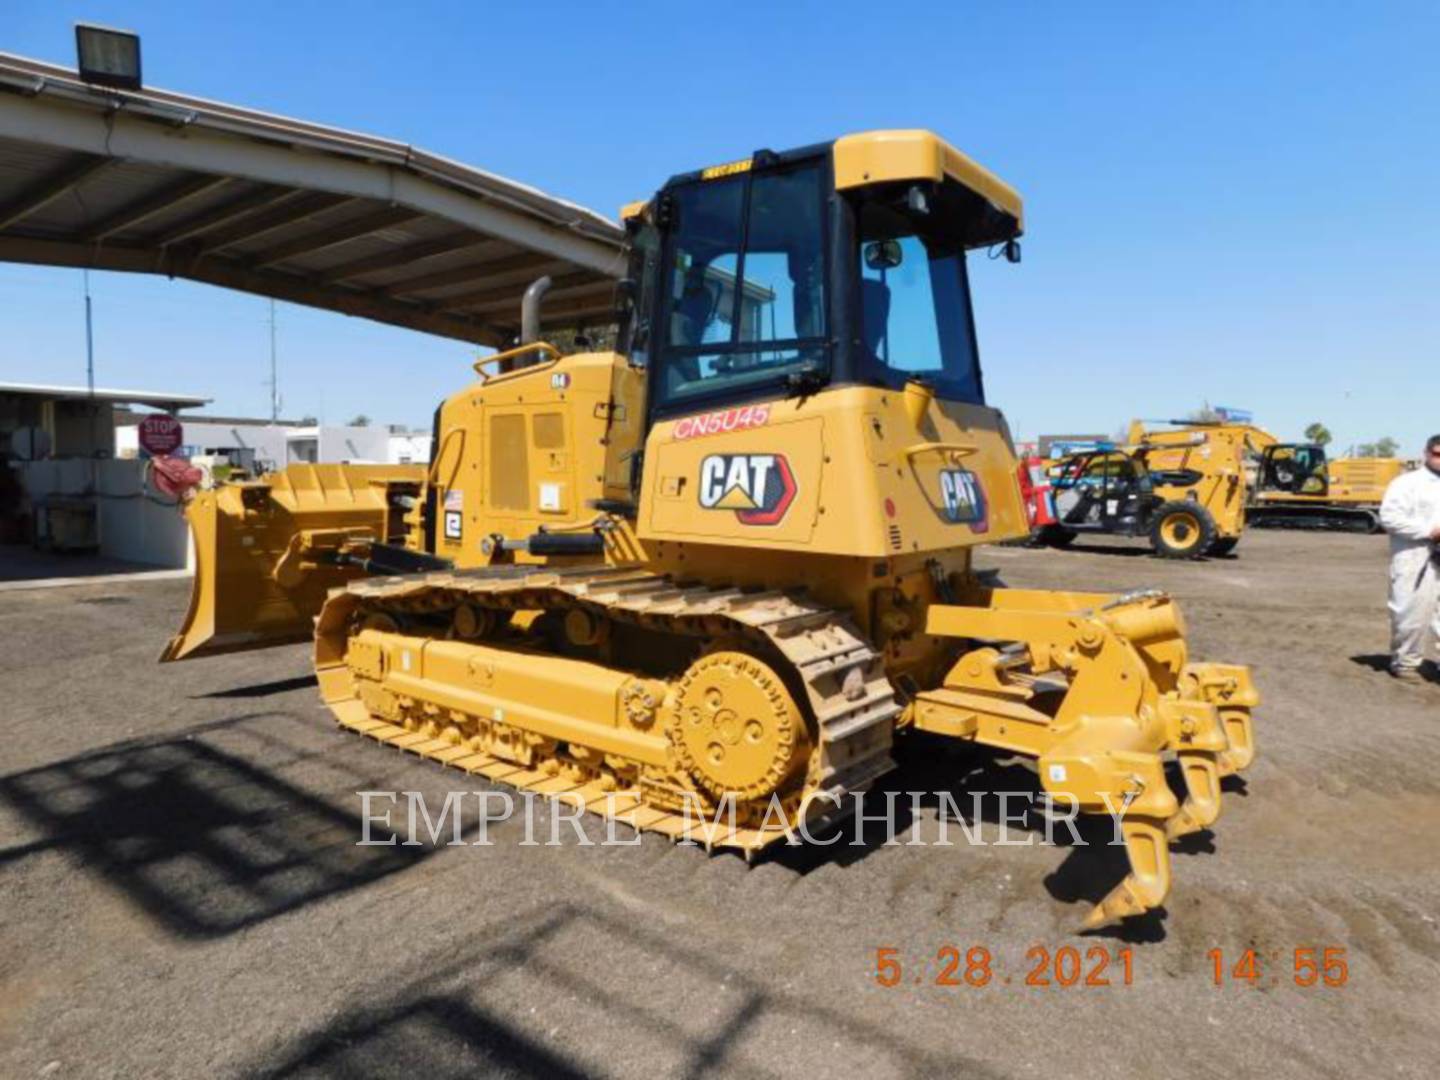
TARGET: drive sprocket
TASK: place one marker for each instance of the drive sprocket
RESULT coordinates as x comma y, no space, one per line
736,729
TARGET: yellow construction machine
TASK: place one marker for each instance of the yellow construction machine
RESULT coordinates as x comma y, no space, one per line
1204,465
1182,490
702,583
1244,475
1298,487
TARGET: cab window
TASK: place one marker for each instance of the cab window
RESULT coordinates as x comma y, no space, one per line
745,288
915,313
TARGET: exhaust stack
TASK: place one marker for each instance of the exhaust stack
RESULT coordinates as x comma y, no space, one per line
530,310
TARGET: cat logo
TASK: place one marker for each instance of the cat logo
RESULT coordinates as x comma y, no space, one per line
758,487
964,498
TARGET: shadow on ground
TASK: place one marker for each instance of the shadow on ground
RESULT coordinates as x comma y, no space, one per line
990,794
21,562
1083,548
602,974
1374,661
1380,663
202,841
266,689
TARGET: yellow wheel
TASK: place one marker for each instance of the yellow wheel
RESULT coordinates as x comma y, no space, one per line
1181,530
736,729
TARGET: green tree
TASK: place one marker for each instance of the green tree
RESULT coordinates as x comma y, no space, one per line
1386,447
360,421
598,338
1204,415
1318,434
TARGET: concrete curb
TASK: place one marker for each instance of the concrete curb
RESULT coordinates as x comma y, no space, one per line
94,579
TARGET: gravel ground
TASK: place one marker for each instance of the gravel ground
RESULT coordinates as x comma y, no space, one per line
183,895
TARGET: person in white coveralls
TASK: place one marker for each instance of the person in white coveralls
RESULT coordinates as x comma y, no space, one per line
1410,513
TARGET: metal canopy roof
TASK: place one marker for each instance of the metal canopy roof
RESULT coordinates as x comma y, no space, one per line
156,182
154,398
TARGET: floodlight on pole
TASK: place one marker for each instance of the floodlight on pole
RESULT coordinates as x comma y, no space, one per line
108,57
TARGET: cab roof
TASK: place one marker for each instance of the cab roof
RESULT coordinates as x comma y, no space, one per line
879,157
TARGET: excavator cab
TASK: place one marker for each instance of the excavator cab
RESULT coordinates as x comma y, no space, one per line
1295,469
1298,486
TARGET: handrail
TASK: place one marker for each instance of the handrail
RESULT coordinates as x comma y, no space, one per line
508,354
432,474
959,449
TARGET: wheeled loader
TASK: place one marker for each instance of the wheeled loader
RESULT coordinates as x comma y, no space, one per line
728,564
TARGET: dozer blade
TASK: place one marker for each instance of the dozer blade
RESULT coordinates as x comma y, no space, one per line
268,551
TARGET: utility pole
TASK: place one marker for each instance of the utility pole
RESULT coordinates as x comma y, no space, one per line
274,372
89,340
90,387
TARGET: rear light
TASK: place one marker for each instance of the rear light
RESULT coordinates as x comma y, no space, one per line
1027,489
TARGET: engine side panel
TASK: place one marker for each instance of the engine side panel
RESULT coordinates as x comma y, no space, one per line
533,450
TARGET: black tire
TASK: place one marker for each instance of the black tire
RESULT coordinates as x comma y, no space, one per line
1056,536
1181,530
1223,545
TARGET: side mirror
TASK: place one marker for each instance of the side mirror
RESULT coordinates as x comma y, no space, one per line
883,254
1012,251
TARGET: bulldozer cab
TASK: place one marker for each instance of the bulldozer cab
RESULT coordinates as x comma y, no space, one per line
1294,469
806,315
754,281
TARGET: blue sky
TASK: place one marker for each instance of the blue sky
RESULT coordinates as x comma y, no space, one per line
1232,202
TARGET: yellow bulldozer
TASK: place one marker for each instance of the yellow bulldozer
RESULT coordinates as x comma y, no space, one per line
723,567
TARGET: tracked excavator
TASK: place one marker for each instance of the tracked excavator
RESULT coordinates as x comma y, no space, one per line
727,565
1298,487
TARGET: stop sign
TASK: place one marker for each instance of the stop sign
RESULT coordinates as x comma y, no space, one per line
160,434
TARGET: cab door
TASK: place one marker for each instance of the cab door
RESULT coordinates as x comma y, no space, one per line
1124,489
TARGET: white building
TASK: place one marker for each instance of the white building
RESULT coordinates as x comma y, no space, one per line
78,494
332,443
260,446
408,447
83,483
